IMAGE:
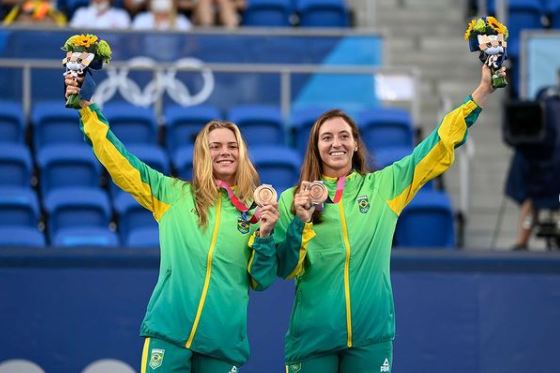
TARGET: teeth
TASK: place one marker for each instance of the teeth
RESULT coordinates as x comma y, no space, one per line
337,153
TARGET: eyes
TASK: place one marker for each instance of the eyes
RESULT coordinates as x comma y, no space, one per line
343,136
230,146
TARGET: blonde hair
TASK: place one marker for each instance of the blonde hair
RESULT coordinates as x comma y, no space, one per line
204,186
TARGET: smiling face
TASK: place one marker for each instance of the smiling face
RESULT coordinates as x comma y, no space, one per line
224,152
336,146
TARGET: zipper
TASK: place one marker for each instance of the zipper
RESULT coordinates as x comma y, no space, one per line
208,273
346,274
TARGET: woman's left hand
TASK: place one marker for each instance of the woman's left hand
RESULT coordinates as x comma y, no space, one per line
269,217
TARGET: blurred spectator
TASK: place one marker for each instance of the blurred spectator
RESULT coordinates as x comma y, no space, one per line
218,12
35,12
161,16
100,14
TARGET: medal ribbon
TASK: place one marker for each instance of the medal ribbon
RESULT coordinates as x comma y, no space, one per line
240,206
339,189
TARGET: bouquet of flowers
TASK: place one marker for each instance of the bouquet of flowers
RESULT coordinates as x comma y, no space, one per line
84,52
488,36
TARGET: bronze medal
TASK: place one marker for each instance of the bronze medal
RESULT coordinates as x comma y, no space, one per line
318,192
265,194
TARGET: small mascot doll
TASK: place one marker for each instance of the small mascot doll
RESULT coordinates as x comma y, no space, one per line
488,36
84,52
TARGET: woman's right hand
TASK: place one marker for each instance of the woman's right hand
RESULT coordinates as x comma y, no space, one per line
302,203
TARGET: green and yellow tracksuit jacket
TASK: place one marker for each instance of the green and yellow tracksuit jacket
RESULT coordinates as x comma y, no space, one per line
201,296
341,265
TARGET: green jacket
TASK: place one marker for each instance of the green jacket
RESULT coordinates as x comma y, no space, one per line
201,296
341,265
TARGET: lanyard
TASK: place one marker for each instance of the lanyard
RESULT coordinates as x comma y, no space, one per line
339,189
240,206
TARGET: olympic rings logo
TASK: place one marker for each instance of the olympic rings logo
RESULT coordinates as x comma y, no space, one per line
163,82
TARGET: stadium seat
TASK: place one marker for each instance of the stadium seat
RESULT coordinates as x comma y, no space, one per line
18,207
11,122
77,208
554,11
53,124
16,166
267,13
322,13
153,156
259,124
277,165
68,166
183,124
21,237
131,216
301,122
385,127
522,15
132,124
426,222
85,237
143,237
183,162
70,6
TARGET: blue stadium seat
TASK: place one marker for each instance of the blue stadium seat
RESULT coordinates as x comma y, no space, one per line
77,208
16,167
385,127
143,237
85,237
11,122
276,165
426,222
70,6
322,13
18,207
259,124
131,216
68,166
183,162
153,156
267,13
132,124
554,11
301,122
183,124
21,237
53,124
522,15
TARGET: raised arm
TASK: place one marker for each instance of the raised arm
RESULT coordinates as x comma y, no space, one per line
263,263
292,236
436,153
150,188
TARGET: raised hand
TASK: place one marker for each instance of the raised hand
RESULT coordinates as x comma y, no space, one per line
268,217
302,202
73,85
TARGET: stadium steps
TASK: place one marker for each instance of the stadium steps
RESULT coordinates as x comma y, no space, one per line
429,34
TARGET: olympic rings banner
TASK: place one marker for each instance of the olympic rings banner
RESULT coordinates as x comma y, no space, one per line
196,50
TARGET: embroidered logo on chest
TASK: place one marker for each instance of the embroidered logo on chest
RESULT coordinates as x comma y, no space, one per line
363,204
243,225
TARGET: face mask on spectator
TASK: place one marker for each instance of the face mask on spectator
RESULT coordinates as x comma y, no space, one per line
161,6
101,6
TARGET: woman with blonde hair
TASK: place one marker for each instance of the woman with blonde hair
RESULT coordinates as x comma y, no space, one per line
211,255
343,318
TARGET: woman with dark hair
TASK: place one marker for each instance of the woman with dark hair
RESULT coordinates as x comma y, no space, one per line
343,318
211,256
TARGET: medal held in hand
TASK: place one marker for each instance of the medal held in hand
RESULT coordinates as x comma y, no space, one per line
84,52
265,194
317,191
489,37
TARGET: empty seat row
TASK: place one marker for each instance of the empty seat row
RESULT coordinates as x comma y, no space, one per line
260,124
81,217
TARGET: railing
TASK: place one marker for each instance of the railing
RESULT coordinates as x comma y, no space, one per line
409,76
